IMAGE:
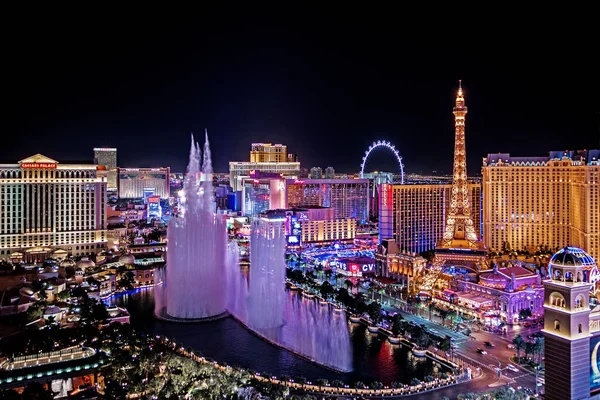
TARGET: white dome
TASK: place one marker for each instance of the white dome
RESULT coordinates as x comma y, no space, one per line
67,262
127,259
86,263
52,310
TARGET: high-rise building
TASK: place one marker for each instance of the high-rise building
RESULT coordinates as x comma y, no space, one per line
264,157
414,215
348,197
549,201
329,173
46,206
260,194
238,170
267,152
141,183
460,245
108,158
316,173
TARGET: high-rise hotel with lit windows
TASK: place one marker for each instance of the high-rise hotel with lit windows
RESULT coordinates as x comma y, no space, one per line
414,214
47,208
551,201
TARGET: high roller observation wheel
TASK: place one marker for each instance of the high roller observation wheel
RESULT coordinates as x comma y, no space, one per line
389,146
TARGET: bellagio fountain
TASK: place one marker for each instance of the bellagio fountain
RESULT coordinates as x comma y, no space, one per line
194,286
202,279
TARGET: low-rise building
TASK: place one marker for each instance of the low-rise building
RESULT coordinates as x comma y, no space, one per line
144,275
498,296
404,266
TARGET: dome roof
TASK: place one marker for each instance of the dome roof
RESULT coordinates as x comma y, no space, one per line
86,263
67,262
127,259
572,257
52,310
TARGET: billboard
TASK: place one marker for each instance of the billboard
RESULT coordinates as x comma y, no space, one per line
594,365
293,240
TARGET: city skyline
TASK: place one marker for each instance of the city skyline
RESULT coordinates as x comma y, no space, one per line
328,87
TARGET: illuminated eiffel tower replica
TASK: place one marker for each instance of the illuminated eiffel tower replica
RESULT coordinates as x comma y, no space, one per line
459,245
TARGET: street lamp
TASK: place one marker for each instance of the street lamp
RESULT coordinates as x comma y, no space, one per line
538,369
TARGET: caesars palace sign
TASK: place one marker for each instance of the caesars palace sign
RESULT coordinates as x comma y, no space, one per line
35,165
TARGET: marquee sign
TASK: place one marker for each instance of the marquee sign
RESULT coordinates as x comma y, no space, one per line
38,165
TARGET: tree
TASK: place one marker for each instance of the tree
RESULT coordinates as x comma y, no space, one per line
520,344
423,340
443,314
359,385
343,297
64,295
445,344
322,382
42,295
349,285
36,310
525,313
124,283
415,382
376,385
319,270
359,304
398,324
326,290
529,348
337,383
93,281
374,311
328,273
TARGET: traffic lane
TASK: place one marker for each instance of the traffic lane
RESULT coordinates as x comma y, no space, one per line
444,331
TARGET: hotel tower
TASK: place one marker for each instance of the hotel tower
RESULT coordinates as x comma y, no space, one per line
550,201
49,208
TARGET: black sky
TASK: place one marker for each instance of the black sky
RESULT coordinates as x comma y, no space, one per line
326,87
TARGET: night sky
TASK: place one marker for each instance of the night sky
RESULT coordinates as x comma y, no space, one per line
324,87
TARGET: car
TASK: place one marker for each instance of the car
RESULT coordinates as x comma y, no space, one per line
512,368
510,346
489,344
481,351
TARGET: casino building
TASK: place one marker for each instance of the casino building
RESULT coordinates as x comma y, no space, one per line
46,206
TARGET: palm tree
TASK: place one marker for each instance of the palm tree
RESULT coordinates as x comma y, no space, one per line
349,285
443,315
520,344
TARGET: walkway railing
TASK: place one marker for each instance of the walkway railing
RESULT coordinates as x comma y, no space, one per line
30,360
326,389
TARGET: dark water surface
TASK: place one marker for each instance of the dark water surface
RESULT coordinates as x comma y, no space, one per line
226,340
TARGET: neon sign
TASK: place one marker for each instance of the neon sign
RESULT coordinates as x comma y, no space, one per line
39,165
293,239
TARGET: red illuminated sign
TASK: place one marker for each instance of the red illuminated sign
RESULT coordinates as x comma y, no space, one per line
354,268
39,165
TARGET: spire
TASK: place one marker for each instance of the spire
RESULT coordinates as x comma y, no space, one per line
460,100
